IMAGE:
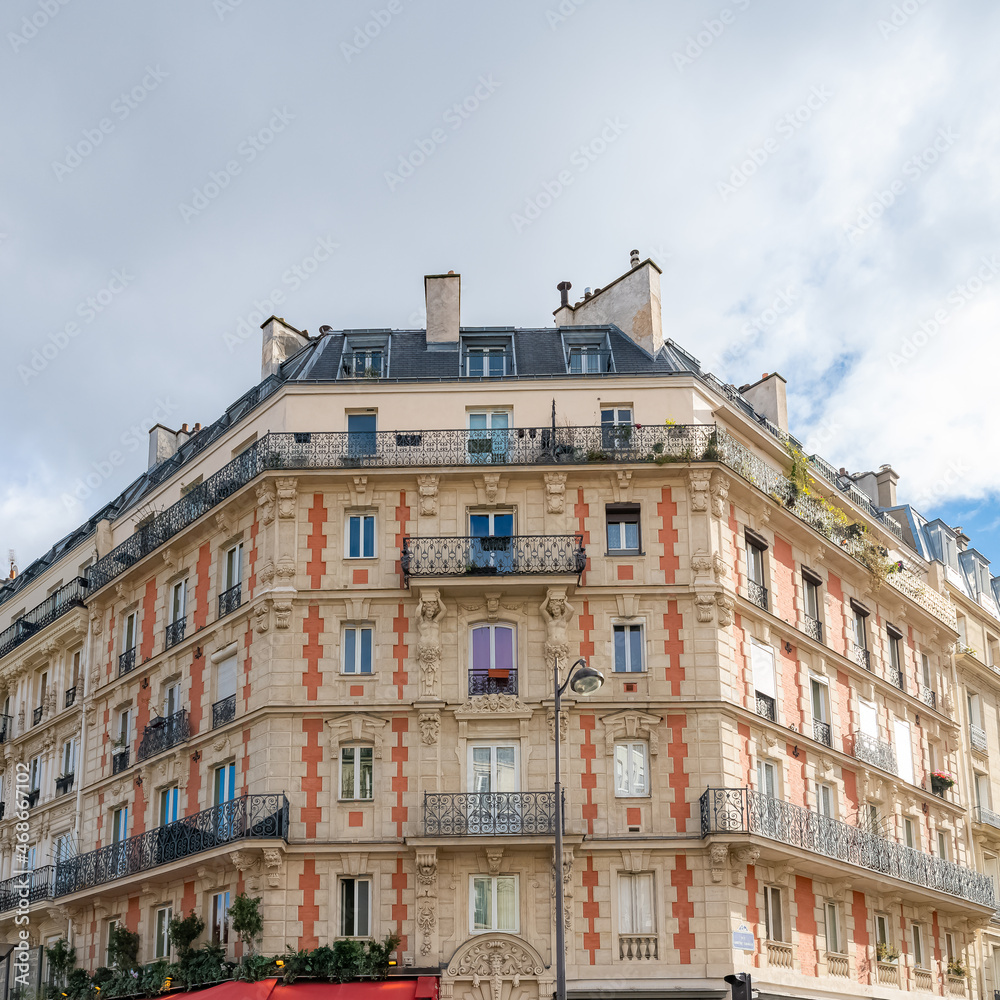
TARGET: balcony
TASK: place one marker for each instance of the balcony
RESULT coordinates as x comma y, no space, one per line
6,728
175,632
987,817
119,760
64,783
977,738
838,965
70,696
766,707
126,662
742,810
928,697
756,594
253,817
873,751
897,678
36,885
489,814
229,600
862,657
499,555
779,955
224,711
161,734
36,715
492,682
32,797
822,733
812,627
638,947
67,597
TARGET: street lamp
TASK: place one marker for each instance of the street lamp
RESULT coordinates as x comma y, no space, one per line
582,680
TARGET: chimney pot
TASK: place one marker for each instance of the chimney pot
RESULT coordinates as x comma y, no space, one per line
587,293
634,258
563,288
184,427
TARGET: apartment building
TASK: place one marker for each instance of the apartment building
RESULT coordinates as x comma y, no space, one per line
308,655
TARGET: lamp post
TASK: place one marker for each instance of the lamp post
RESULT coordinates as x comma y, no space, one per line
583,680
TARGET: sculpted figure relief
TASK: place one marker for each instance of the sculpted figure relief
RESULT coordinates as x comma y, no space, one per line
430,612
557,613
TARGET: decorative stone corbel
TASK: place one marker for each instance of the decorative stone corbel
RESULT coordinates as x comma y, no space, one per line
430,728
550,719
265,502
282,614
699,481
555,492
720,493
361,491
704,606
287,490
621,485
725,607
719,855
491,488
494,859
427,487
628,605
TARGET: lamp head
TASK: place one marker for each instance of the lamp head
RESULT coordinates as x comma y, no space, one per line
586,680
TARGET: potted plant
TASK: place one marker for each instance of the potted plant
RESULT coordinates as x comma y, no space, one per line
499,673
941,781
956,968
887,952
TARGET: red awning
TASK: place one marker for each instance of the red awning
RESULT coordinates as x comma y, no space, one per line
422,988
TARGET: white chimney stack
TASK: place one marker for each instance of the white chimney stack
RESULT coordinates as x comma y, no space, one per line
443,295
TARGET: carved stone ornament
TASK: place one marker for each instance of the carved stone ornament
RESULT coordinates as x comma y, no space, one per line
282,614
704,605
631,725
265,573
426,916
568,859
495,957
700,482
719,854
427,868
427,486
96,622
621,485
550,719
491,488
725,606
265,502
491,704
494,859
555,492
285,570
287,494
357,728
361,491
557,613
261,617
430,613
720,493
430,728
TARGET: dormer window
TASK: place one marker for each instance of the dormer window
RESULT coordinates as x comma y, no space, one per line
365,357
486,361
587,359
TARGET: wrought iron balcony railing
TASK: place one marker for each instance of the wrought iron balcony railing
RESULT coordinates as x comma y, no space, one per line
812,627
500,555
175,632
257,817
822,733
897,678
928,697
742,810
119,761
766,707
34,885
33,797
126,662
229,600
862,657
70,696
492,682
757,594
987,817
70,595
36,715
6,728
874,751
224,711
487,814
977,737
163,733
64,783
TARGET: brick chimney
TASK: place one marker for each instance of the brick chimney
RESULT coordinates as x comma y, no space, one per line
443,298
281,341
886,478
767,397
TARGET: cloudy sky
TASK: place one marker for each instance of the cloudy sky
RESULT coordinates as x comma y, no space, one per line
820,183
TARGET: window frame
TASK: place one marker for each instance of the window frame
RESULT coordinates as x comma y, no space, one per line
219,924
622,778
917,937
234,559
831,918
628,629
130,624
162,916
811,601
178,609
362,516
358,764
494,881
774,908
631,879
357,669
621,514
354,881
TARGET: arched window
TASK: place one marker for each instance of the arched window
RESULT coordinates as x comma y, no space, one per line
492,660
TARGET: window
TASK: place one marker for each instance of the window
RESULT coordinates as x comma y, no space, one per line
636,914
628,649
882,935
362,434
234,566
975,709
588,358
112,927
63,848
949,947
491,545
76,669
124,727
224,783
755,563
220,918
762,664
489,433
992,651
894,640
355,907
982,788
363,362
494,903
810,595
119,824
820,696
631,772
360,542
904,750
858,627
358,649
623,528
178,601
942,845
767,779
918,946
68,758
35,774
616,427
171,699
488,361
168,805
162,944
833,929
868,718
225,678
356,772
925,670
493,660
908,835
773,923
824,801
130,631
869,819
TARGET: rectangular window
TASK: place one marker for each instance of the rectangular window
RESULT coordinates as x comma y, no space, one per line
64,847
358,649
860,634
904,750
360,536
636,912
631,772
942,844
833,929
810,595
755,563
494,903
949,947
895,653
882,929
224,784
355,907
824,801
918,946
362,433
168,805
925,669
628,649
178,601
773,923
868,718
35,774
124,727
767,779
486,362
112,927
616,427
982,787
225,678
220,918
68,758
588,358
119,824
623,528
492,648
171,699
762,664
130,632
820,695
356,772
234,566
162,945
908,836
975,709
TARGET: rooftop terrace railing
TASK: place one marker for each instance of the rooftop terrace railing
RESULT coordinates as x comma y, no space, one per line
67,597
